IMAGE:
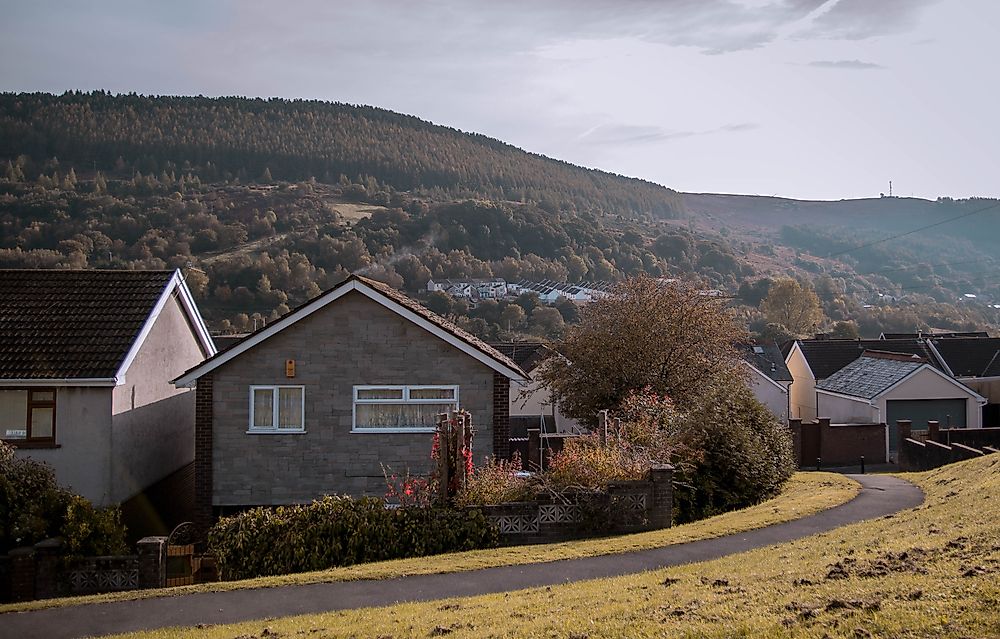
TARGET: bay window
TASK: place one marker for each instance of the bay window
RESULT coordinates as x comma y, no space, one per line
401,408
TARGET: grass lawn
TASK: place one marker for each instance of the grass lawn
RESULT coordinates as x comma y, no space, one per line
805,494
933,571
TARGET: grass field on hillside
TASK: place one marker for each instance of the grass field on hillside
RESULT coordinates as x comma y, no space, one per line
803,495
933,571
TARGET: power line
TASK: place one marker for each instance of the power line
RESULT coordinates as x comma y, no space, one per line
917,230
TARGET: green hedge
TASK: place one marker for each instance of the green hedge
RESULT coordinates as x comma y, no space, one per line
340,531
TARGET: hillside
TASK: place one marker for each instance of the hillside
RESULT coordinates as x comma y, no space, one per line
264,203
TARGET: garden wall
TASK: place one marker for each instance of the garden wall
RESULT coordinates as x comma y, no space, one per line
940,446
837,444
42,571
628,506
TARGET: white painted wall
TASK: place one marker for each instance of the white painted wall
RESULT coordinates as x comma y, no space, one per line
152,424
845,410
532,400
802,395
83,437
769,393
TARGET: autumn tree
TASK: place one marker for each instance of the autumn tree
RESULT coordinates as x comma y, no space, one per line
793,306
645,334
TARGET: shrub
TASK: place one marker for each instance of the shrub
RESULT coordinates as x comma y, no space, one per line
746,455
585,463
33,507
340,531
497,482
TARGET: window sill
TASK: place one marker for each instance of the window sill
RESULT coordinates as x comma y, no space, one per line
275,431
20,443
378,431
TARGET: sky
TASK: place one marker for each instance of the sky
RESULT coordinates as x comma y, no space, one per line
812,99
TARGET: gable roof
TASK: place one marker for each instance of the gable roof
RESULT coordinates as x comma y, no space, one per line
527,355
768,359
83,326
827,356
970,356
388,297
870,375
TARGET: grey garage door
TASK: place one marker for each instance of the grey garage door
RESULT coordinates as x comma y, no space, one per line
921,411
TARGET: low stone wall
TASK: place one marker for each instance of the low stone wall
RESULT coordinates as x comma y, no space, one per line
629,506
943,446
42,572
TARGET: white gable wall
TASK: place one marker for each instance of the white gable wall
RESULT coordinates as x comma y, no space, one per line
772,394
802,394
928,384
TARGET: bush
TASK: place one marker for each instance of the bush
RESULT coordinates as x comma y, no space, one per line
585,463
497,482
33,507
340,531
746,455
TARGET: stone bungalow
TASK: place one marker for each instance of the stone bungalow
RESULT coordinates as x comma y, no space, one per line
325,398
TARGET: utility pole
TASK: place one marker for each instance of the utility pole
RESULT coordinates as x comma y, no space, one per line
890,188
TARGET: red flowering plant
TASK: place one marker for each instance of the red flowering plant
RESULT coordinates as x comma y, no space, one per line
408,491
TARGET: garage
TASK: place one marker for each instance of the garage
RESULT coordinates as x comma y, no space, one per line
948,412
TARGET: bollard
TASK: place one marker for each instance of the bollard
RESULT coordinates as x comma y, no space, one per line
818,463
862,464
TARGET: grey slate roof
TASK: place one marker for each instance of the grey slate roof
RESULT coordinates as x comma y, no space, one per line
827,356
767,358
59,324
527,355
868,376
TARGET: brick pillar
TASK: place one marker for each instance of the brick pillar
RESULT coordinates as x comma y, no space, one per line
501,416
22,574
904,430
660,511
203,416
152,552
934,430
47,568
795,426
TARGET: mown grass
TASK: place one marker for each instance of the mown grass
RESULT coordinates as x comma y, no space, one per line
803,495
933,571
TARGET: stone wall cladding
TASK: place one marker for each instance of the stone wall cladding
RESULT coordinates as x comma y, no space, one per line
352,341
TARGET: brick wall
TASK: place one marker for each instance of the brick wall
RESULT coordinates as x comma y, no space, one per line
203,423
353,341
501,416
943,446
838,444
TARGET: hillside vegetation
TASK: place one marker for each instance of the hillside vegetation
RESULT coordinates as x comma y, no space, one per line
266,202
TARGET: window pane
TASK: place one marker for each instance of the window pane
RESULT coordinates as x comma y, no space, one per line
42,422
399,415
432,393
289,408
43,396
13,414
263,407
380,393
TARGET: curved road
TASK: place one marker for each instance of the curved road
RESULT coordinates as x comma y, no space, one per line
880,495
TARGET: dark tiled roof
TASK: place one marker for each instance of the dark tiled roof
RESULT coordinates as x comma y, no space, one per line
868,376
970,356
225,342
57,324
827,356
767,358
935,335
527,355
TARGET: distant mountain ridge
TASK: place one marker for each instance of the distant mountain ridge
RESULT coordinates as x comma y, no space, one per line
295,140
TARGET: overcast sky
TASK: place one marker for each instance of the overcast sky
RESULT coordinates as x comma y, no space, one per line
815,99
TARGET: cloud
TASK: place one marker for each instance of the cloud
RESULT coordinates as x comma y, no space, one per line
629,134
857,65
863,19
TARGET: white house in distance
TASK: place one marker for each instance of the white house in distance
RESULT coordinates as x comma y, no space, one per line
86,359
883,387
770,379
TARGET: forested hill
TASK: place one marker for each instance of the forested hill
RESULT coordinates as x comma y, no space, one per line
221,139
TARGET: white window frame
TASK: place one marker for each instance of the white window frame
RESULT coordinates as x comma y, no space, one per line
405,400
274,430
